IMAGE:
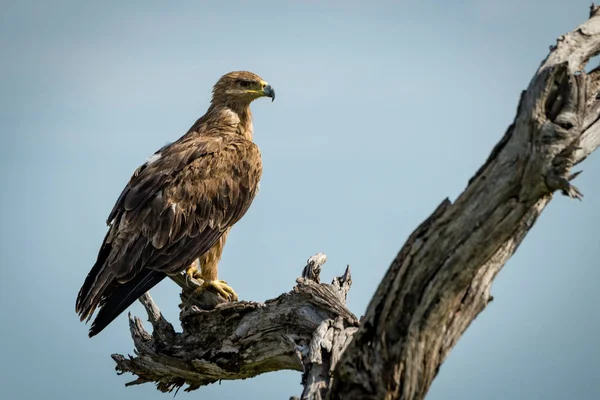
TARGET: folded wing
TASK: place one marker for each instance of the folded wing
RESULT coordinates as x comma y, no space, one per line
174,208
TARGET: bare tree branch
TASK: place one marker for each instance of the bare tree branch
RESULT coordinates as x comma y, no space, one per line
305,330
440,280
437,285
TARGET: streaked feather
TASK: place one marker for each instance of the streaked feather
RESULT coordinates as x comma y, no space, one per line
174,208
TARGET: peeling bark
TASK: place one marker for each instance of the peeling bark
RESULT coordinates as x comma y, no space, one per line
441,279
436,286
305,330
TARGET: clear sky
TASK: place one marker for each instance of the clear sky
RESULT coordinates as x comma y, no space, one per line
383,109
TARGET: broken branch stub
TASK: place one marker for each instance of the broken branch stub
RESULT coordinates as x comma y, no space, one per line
305,330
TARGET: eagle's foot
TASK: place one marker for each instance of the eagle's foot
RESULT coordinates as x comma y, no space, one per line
193,272
220,287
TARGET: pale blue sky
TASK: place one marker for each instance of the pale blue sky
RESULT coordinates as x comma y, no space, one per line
383,109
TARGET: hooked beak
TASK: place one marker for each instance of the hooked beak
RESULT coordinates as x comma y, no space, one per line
268,91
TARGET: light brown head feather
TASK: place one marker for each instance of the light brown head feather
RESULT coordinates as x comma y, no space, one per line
238,89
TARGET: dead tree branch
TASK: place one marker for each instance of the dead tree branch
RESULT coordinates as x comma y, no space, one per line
441,279
305,330
437,285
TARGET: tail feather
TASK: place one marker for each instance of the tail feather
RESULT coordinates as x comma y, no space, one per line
122,296
85,305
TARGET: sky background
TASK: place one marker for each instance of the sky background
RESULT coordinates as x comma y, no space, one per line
383,109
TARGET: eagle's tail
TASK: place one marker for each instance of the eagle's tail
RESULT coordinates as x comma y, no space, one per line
122,296
101,290
95,282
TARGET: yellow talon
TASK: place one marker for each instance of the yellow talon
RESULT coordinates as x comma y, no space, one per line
193,271
221,287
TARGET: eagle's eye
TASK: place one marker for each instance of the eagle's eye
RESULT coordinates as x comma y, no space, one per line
244,83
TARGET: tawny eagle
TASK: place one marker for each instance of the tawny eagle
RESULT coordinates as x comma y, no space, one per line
180,205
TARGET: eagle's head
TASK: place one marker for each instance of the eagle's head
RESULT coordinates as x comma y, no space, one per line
241,88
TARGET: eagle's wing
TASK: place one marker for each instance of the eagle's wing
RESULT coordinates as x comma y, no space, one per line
174,208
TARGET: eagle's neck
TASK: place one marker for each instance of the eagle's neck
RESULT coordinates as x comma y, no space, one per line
236,120
245,127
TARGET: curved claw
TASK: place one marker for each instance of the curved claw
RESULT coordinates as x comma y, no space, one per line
221,288
192,272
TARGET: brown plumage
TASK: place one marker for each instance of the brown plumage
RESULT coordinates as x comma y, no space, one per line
179,205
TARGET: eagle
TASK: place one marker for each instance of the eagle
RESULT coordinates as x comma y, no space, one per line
179,206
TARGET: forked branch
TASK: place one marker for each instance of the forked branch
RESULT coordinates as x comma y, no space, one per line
305,330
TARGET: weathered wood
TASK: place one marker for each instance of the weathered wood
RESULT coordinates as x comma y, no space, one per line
303,330
437,285
440,280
